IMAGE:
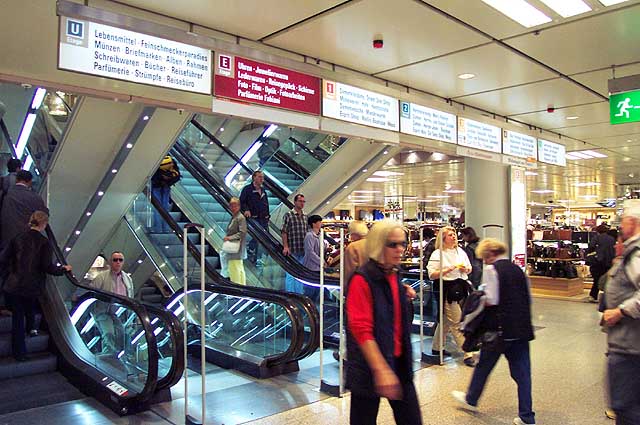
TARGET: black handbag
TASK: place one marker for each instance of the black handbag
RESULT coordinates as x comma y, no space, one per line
492,341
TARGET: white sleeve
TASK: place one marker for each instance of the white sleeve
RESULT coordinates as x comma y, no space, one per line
434,263
491,285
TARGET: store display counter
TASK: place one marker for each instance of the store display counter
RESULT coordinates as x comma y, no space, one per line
542,285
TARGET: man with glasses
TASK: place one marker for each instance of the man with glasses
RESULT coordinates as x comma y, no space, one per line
294,231
109,323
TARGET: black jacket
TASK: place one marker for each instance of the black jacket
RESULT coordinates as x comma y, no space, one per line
359,375
604,247
18,205
28,258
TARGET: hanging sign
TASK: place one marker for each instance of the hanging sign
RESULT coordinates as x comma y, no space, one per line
425,122
518,144
348,103
247,80
112,52
478,135
551,153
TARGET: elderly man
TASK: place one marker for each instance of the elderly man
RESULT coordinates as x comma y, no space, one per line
622,317
115,280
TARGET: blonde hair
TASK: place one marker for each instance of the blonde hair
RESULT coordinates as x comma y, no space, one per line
357,227
377,238
440,236
38,218
490,246
234,200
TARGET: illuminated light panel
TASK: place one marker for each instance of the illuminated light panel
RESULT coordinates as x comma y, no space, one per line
520,11
38,98
587,184
454,191
530,173
567,8
269,131
542,191
466,76
378,179
387,173
611,2
588,154
24,134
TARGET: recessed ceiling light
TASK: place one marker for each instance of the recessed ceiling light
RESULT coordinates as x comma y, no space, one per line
387,173
453,191
587,184
542,191
367,191
588,154
567,8
589,196
438,196
427,200
377,179
530,173
520,11
626,159
611,2
573,117
631,175
466,76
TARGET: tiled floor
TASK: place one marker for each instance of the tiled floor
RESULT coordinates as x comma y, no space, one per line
568,388
568,380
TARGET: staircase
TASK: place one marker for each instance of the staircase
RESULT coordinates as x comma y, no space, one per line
32,383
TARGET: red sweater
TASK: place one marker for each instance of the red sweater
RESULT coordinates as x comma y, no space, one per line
360,311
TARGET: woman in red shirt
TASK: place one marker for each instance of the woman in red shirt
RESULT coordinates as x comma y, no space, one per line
379,323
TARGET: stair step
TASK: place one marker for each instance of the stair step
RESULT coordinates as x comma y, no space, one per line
38,363
34,344
153,298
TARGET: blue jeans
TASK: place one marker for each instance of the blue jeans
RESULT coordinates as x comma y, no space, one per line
291,284
517,354
163,195
624,387
253,249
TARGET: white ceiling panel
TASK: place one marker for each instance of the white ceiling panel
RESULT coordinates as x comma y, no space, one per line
595,131
617,141
633,151
248,18
587,44
597,80
487,62
411,33
531,97
593,113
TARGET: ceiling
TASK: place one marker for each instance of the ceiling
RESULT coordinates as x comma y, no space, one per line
520,72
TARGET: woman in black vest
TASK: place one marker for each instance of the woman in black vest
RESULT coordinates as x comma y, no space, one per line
508,312
379,323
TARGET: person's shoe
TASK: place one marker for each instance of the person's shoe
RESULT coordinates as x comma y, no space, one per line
518,421
469,361
461,398
33,332
444,352
593,300
609,413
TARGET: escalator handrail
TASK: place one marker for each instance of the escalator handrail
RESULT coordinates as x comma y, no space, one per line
306,149
199,172
297,339
7,137
295,167
152,373
177,342
271,186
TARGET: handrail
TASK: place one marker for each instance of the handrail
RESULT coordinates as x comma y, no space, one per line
288,162
7,137
152,374
296,345
306,149
273,188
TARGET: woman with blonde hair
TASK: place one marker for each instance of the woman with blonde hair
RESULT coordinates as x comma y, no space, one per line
28,259
236,231
455,269
379,330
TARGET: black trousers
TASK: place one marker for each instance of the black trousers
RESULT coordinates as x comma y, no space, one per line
597,271
22,309
364,410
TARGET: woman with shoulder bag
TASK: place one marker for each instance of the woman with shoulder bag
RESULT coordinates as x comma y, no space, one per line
455,269
234,243
507,329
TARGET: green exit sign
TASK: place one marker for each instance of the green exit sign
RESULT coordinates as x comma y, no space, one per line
624,107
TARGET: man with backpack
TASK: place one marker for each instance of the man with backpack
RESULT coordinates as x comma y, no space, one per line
165,176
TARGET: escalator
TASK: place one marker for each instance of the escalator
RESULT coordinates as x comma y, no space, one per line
256,330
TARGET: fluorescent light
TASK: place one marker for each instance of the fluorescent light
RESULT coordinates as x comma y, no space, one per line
28,163
38,98
520,11
438,196
587,184
466,76
454,191
367,191
427,200
542,191
269,131
573,117
589,196
587,154
377,179
530,173
595,154
567,8
611,2
24,134
387,173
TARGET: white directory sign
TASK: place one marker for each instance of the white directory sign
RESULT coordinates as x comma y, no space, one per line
112,52
359,106
478,135
426,122
551,153
518,144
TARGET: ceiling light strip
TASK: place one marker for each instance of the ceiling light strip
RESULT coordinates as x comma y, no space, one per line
520,11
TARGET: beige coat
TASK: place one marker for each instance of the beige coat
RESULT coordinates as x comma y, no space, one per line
355,256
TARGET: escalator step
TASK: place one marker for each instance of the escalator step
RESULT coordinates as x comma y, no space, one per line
37,363
34,344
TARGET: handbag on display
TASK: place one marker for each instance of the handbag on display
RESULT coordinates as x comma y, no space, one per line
231,247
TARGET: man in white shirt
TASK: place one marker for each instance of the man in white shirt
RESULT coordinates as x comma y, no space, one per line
115,280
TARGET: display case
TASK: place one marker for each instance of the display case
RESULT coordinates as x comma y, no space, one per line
553,266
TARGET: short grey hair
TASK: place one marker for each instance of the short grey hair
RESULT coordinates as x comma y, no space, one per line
358,227
378,236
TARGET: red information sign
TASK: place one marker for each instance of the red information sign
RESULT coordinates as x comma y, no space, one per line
519,260
255,82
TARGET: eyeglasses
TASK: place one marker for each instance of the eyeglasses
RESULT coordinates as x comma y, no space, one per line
403,244
117,260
